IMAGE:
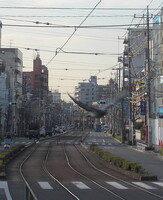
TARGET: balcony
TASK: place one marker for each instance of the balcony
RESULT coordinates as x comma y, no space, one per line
126,51
125,61
125,73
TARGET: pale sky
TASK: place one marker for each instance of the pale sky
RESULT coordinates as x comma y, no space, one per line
67,69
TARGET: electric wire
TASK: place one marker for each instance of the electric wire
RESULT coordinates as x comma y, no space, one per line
69,8
73,33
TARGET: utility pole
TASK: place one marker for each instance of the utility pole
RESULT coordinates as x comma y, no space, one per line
130,92
149,111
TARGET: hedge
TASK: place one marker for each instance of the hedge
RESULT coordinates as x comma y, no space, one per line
117,161
161,151
7,153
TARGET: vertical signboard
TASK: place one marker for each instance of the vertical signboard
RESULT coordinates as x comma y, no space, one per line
143,107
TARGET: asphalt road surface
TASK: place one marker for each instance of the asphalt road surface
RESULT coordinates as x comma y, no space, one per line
60,168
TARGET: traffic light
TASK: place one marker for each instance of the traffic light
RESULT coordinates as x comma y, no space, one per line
11,103
101,102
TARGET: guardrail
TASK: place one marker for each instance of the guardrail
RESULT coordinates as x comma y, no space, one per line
141,146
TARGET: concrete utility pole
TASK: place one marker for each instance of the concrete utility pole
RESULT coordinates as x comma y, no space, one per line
130,93
149,111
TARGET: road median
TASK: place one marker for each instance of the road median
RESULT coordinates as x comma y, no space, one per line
129,168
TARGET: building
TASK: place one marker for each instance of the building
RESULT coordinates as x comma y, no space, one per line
56,96
157,82
135,75
86,92
36,93
11,65
36,81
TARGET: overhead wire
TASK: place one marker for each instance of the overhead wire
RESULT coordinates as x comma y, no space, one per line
68,8
74,32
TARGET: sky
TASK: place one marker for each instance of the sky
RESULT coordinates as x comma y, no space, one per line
81,52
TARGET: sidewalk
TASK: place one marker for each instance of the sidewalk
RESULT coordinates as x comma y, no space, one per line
152,162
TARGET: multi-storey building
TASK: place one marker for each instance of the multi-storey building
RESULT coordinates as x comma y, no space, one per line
36,81
56,96
157,82
35,88
11,65
86,92
135,73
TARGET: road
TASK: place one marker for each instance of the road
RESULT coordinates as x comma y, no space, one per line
60,168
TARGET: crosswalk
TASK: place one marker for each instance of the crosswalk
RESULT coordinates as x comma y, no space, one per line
100,143
120,186
158,185
86,143
83,186
18,142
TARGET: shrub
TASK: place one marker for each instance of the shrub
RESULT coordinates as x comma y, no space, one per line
161,151
149,148
118,137
129,142
117,161
1,165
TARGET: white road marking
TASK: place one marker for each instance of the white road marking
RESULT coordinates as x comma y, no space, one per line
4,185
45,185
158,183
116,185
80,185
143,185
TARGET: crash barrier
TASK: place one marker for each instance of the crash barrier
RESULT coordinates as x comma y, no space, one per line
141,146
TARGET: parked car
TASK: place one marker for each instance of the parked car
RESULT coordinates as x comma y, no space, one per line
7,146
34,134
105,127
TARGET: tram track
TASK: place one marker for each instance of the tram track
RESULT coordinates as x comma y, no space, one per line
65,165
25,177
114,177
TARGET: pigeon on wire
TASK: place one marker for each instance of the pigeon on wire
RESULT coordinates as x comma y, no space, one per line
97,112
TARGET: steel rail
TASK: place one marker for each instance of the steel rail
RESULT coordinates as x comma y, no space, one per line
121,180
44,165
89,179
23,177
